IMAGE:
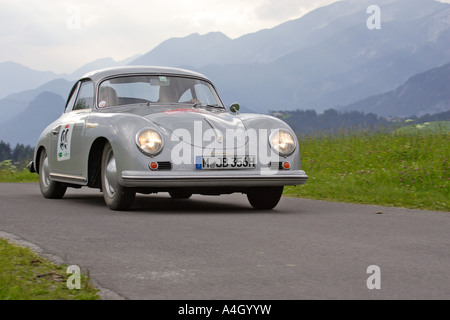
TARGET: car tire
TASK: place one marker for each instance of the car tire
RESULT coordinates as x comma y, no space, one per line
180,194
264,198
116,197
50,189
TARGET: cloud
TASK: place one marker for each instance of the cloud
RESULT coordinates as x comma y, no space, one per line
276,10
62,35
279,9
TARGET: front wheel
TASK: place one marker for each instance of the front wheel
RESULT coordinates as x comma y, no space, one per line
50,189
116,196
264,198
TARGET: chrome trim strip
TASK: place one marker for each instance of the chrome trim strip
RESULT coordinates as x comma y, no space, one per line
67,178
131,180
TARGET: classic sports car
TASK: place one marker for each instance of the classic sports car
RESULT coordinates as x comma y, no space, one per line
146,130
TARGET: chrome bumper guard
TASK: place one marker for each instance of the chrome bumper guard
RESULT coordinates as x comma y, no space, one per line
213,179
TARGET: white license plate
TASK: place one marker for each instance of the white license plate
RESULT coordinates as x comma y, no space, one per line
225,162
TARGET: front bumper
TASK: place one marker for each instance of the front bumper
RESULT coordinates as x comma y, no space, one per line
213,179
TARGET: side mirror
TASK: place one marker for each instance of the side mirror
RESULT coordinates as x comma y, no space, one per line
234,108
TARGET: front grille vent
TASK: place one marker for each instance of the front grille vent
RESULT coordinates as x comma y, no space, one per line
165,165
276,165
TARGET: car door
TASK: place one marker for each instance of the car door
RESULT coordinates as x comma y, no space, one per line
68,136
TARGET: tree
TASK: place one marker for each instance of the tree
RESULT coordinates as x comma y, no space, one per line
22,154
5,151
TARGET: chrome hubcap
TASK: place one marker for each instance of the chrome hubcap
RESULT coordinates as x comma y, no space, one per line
110,175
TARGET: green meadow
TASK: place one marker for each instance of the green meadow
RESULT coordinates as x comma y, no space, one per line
407,167
10,172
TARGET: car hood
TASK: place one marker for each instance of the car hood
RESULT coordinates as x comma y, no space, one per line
203,128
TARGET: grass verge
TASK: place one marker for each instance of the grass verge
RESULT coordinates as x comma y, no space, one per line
26,276
11,173
384,168
18,176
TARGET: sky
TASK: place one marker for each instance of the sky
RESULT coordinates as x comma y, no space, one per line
63,35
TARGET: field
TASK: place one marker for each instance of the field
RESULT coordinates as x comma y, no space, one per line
10,172
408,167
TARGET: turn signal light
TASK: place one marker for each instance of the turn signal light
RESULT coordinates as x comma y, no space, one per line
286,165
153,165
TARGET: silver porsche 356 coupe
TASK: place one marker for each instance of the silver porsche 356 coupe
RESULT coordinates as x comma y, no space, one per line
146,130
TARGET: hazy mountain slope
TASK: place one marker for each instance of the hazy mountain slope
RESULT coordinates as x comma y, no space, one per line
427,92
15,78
100,64
9,108
194,50
263,46
15,103
26,127
359,62
326,58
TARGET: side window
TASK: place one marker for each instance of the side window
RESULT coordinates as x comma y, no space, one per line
186,96
72,97
204,94
85,99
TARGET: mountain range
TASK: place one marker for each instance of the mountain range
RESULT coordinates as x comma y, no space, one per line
328,58
425,93
26,127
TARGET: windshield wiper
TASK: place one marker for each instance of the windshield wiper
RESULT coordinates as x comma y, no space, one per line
207,106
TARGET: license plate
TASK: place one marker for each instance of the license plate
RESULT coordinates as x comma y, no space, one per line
225,162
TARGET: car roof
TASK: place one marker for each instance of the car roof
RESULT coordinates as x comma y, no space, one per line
99,75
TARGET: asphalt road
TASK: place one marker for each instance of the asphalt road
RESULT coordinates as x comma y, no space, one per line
220,248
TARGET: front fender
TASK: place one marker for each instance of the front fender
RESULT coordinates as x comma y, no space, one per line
261,121
44,142
269,123
120,131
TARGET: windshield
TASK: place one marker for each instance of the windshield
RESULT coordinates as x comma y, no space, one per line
158,90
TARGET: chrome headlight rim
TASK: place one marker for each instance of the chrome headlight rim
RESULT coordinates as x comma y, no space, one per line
277,150
147,153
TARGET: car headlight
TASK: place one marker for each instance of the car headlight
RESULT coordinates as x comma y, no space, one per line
149,142
283,142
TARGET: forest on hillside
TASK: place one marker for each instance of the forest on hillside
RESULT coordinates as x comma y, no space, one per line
20,154
309,122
